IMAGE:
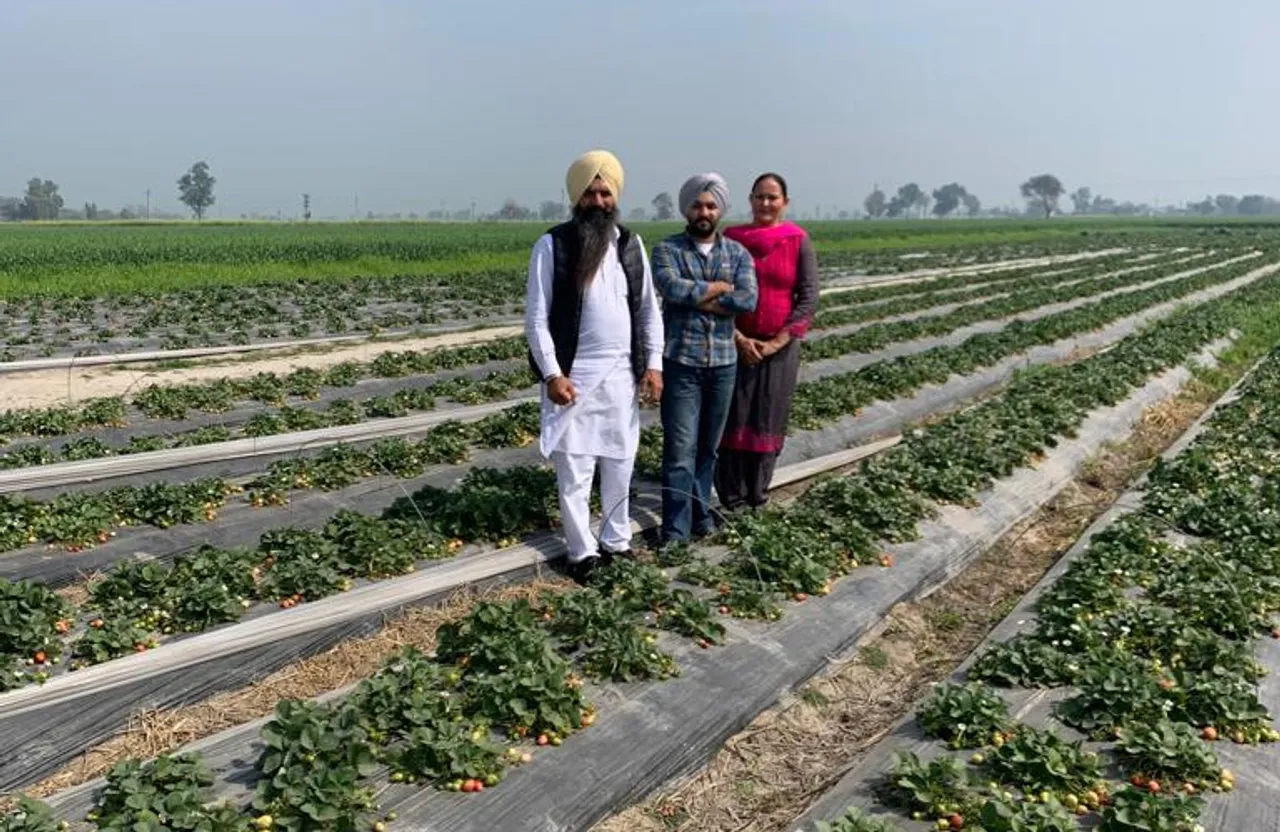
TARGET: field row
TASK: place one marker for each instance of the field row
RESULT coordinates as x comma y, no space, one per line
395,279
604,633
173,402
80,519
1149,631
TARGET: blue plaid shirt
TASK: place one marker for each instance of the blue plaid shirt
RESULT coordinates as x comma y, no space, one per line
682,275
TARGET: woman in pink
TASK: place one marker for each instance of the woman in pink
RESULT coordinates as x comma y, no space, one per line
768,345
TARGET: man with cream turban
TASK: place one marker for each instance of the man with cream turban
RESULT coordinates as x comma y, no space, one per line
595,340
705,280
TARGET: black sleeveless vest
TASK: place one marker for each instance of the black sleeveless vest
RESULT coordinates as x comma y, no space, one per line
565,316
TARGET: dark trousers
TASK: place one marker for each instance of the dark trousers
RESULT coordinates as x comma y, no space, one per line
743,477
695,405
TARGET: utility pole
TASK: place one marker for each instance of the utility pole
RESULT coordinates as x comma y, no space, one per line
473,210
148,203
356,215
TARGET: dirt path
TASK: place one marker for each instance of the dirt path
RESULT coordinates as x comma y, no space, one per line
47,388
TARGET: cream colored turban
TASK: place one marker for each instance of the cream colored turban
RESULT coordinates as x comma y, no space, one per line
587,167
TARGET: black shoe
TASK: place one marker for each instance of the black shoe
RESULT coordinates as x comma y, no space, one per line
709,530
580,572
607,556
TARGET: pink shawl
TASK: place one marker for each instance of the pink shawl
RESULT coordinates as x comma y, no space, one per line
776,252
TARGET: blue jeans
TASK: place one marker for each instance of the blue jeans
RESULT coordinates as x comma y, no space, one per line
695,406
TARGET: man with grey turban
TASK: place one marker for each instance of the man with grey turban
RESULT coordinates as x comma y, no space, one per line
594,329
705,280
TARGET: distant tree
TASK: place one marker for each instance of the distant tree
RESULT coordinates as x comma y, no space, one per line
876,204
1204,208
10,208
636,215
306,207
512,210
550,210
195,189
1253,205
1043,192
843,215
972,205
907,199
126,214
91,210
41,201
1081,200
1228,205
664,207
948,198
1103,205
923,201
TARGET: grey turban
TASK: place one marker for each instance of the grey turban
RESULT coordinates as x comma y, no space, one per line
712,183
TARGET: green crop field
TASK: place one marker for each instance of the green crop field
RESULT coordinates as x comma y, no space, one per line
91,259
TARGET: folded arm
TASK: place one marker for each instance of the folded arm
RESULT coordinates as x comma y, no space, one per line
743,297
670,282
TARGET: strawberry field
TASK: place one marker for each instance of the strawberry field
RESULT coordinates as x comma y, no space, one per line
198,533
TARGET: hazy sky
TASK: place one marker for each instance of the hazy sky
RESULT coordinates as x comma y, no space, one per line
411,104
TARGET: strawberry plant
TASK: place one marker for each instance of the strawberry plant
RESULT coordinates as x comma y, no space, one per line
1140,810
164,793
1023,661
1230,703
1011,816
1038,761
1171,752
301,562
854,820
512,675
582,618
409,691
785,554
636,586
313,761
963,715
745,598
29,815
29,621
488,504
1112,696
209,587
939,788
110,638
627,654
690,616
130,585
447,751
374,548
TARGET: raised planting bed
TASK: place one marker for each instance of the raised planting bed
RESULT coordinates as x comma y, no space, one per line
828,529
837,308
1147,644
229,450
839,407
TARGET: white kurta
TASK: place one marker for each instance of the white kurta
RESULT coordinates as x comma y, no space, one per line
604,420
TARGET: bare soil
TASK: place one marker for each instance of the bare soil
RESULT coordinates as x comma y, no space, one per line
49,388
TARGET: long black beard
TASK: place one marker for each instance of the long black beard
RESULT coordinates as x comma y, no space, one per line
595,235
